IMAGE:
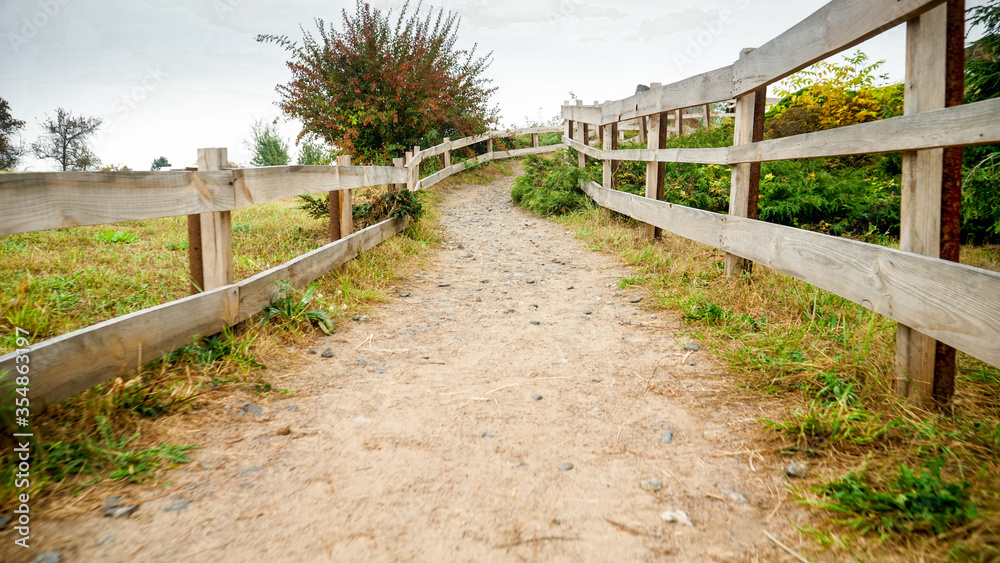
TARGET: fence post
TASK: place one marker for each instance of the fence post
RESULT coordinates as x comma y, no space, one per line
399,163
534,140
581,129
346,203
745,184
210,235
412,171
447,154
680,122
656,171
606,141
708,116
930,206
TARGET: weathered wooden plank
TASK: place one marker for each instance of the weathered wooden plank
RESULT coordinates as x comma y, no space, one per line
743,190
972,124
701,226
920,192
655,179
37,201
215,233
954,303
75,362
582,114
838,25
257,185
709,87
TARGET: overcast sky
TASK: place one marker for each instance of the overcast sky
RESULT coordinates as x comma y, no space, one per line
170,76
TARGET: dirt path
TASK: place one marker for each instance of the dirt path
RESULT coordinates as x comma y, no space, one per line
444,436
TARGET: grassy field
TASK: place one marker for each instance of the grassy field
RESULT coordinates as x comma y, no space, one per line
893,482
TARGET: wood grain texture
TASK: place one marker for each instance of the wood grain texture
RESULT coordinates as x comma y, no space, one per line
972,124
257,185
837,26
740,181
920,192
75,362
37,201
215,234
953,303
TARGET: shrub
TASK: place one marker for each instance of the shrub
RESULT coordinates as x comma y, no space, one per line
374,88
551,186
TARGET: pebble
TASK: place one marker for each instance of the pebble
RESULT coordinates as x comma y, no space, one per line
404,293
508,311
797,469
677,516
285,431
692,347
4,520
588,312
328,353
487,434
536,397
47,557
691,362
558,520
734,496
571,287
668,437
595,409
536,323
635,300
362,362
362,420
122,511
312,352
177,507
597,380
617,295
425,325
106,539
532,280
565,466
293,407
254,410
249,470
653,484
444,284
652,316
380,368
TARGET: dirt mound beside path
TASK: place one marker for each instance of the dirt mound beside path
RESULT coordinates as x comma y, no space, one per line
514,405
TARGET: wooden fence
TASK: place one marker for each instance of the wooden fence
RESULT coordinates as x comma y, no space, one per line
940,304
65,365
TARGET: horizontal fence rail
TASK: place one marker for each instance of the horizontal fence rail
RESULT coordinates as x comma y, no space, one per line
74,362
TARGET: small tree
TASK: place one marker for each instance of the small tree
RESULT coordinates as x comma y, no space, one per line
160,163
269,149
65,140
10,151
313,151
829,95
374,88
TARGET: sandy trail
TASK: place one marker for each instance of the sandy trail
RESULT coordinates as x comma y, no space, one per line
428,442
